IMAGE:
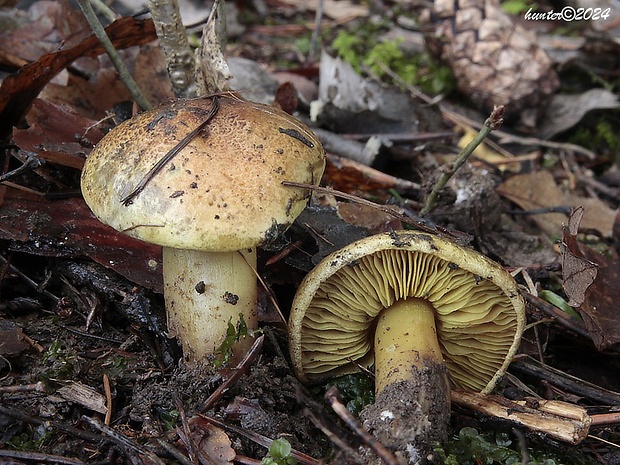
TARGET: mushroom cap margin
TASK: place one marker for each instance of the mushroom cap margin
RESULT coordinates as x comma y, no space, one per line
471,366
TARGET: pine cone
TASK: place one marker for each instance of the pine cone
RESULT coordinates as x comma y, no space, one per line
495,61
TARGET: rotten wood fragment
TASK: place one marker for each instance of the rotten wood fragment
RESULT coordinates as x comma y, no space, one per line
84,395
560,420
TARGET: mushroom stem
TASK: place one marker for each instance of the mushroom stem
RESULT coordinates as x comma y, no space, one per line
412,404
204,291
405,342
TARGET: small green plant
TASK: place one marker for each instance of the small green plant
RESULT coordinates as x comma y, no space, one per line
471,448
496,448
279,453
557,301
169,419
356,391
53,352
233,335
32,438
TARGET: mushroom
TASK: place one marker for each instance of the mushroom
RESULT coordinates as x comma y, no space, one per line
429,314
203,178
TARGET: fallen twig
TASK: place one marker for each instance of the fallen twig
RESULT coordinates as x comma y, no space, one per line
565,381
237,372
494,120
121,440
38,457
175,46
332,396
123,72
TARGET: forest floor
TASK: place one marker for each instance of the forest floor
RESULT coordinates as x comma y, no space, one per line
87,373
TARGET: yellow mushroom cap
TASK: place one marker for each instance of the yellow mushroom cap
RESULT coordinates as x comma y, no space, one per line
221,192
479,313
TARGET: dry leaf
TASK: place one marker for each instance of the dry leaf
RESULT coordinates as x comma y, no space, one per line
212,71
12,341
486,153
592,282
211,442
600,311
46,25
19,90
578,272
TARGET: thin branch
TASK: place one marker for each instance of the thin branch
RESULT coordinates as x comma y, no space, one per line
315,39
123,72
492,122
333,397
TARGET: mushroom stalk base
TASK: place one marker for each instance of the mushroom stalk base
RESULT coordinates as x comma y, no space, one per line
204,291
412,405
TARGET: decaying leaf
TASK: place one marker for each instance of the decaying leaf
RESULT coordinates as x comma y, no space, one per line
12,340
212,72
538,190
495,60
57,134
592,283
211,442
67,228
95,96
600,310
565,111
578,273
41,28
19,90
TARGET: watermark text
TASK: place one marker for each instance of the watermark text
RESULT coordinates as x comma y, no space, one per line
568,13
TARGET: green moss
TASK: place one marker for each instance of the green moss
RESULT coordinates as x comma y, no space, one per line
364,51
517,7
597,132
60,363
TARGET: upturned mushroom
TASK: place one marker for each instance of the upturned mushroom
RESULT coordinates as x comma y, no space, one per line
203,178
427,313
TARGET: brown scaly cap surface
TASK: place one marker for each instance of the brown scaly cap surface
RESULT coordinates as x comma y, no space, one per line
495,61
221,192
